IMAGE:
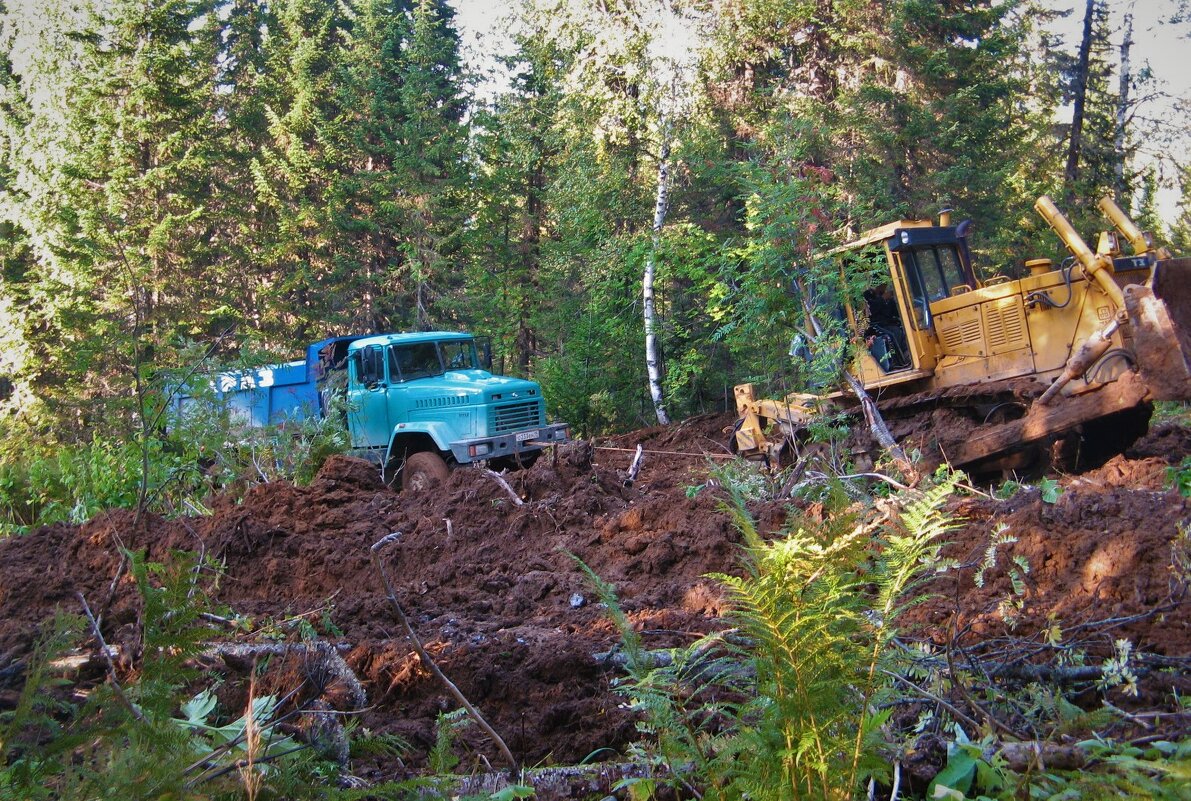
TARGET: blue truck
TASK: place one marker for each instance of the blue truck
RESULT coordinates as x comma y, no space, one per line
415,404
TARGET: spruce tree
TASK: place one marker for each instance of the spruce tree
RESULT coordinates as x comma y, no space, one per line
401,206
115,180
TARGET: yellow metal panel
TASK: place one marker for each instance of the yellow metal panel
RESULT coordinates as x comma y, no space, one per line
996,292
961,332
877,234
1005,325
955,370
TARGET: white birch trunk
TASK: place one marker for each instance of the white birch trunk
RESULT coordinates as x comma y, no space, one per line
1122,113
653,364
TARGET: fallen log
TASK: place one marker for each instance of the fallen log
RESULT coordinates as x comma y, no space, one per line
1040,755
598,780
319,657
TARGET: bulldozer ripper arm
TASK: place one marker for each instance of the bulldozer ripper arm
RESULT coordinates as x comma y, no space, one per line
750,432
750,439
1088,354
1098,268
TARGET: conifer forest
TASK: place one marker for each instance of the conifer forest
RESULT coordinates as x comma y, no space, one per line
632,199
255,176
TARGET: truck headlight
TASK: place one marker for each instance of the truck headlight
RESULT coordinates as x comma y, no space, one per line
482,449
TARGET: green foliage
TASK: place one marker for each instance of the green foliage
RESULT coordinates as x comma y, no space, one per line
1018,567
204,452
151,737
253,735
1007,489
974,770
1179,477
32,736
73,484
1050,490
794,712
442,757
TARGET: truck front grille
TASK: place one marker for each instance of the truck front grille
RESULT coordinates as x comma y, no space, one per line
514,416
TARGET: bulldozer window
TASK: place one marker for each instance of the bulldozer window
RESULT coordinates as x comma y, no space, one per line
940,269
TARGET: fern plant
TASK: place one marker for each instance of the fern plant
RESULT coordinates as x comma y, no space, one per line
792,713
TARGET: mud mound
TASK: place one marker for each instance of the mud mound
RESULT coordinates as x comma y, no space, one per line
1104,552
492,585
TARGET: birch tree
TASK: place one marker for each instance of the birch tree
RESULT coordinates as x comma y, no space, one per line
639,61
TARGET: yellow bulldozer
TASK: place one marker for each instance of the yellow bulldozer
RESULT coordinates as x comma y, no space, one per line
987,375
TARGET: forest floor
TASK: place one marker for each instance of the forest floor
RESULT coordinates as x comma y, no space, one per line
493,589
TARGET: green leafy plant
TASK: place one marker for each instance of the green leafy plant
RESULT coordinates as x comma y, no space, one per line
976,770
967,766
1007,489
1050,490
794,707
442,757
1179,477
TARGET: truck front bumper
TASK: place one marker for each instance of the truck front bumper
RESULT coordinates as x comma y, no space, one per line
510,444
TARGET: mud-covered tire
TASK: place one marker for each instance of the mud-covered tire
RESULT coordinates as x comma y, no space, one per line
423,472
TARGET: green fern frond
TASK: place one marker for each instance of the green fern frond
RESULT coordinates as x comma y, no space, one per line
607,595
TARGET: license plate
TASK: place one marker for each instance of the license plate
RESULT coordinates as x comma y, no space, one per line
524,435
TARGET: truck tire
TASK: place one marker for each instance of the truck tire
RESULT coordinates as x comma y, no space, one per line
423,471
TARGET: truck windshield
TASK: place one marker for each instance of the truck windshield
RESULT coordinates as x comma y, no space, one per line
424,359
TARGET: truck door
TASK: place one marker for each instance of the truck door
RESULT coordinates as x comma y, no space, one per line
369,400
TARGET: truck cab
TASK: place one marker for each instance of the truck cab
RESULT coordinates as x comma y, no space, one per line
420,403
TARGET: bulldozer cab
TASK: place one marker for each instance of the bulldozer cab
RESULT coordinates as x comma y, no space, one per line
912,264
934,265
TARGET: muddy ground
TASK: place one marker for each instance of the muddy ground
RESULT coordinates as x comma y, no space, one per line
493,589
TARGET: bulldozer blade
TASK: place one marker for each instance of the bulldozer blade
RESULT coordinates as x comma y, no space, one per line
1161,321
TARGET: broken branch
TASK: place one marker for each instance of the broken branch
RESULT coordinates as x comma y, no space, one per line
499,479
421,650
107,657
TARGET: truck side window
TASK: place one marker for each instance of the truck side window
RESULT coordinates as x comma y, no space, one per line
418,360
458,355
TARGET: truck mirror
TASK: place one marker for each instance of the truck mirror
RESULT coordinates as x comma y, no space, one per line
372,367
484,350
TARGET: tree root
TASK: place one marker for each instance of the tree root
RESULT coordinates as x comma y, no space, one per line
321,661
320,724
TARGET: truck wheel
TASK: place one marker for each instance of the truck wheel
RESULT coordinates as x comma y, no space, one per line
423,471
